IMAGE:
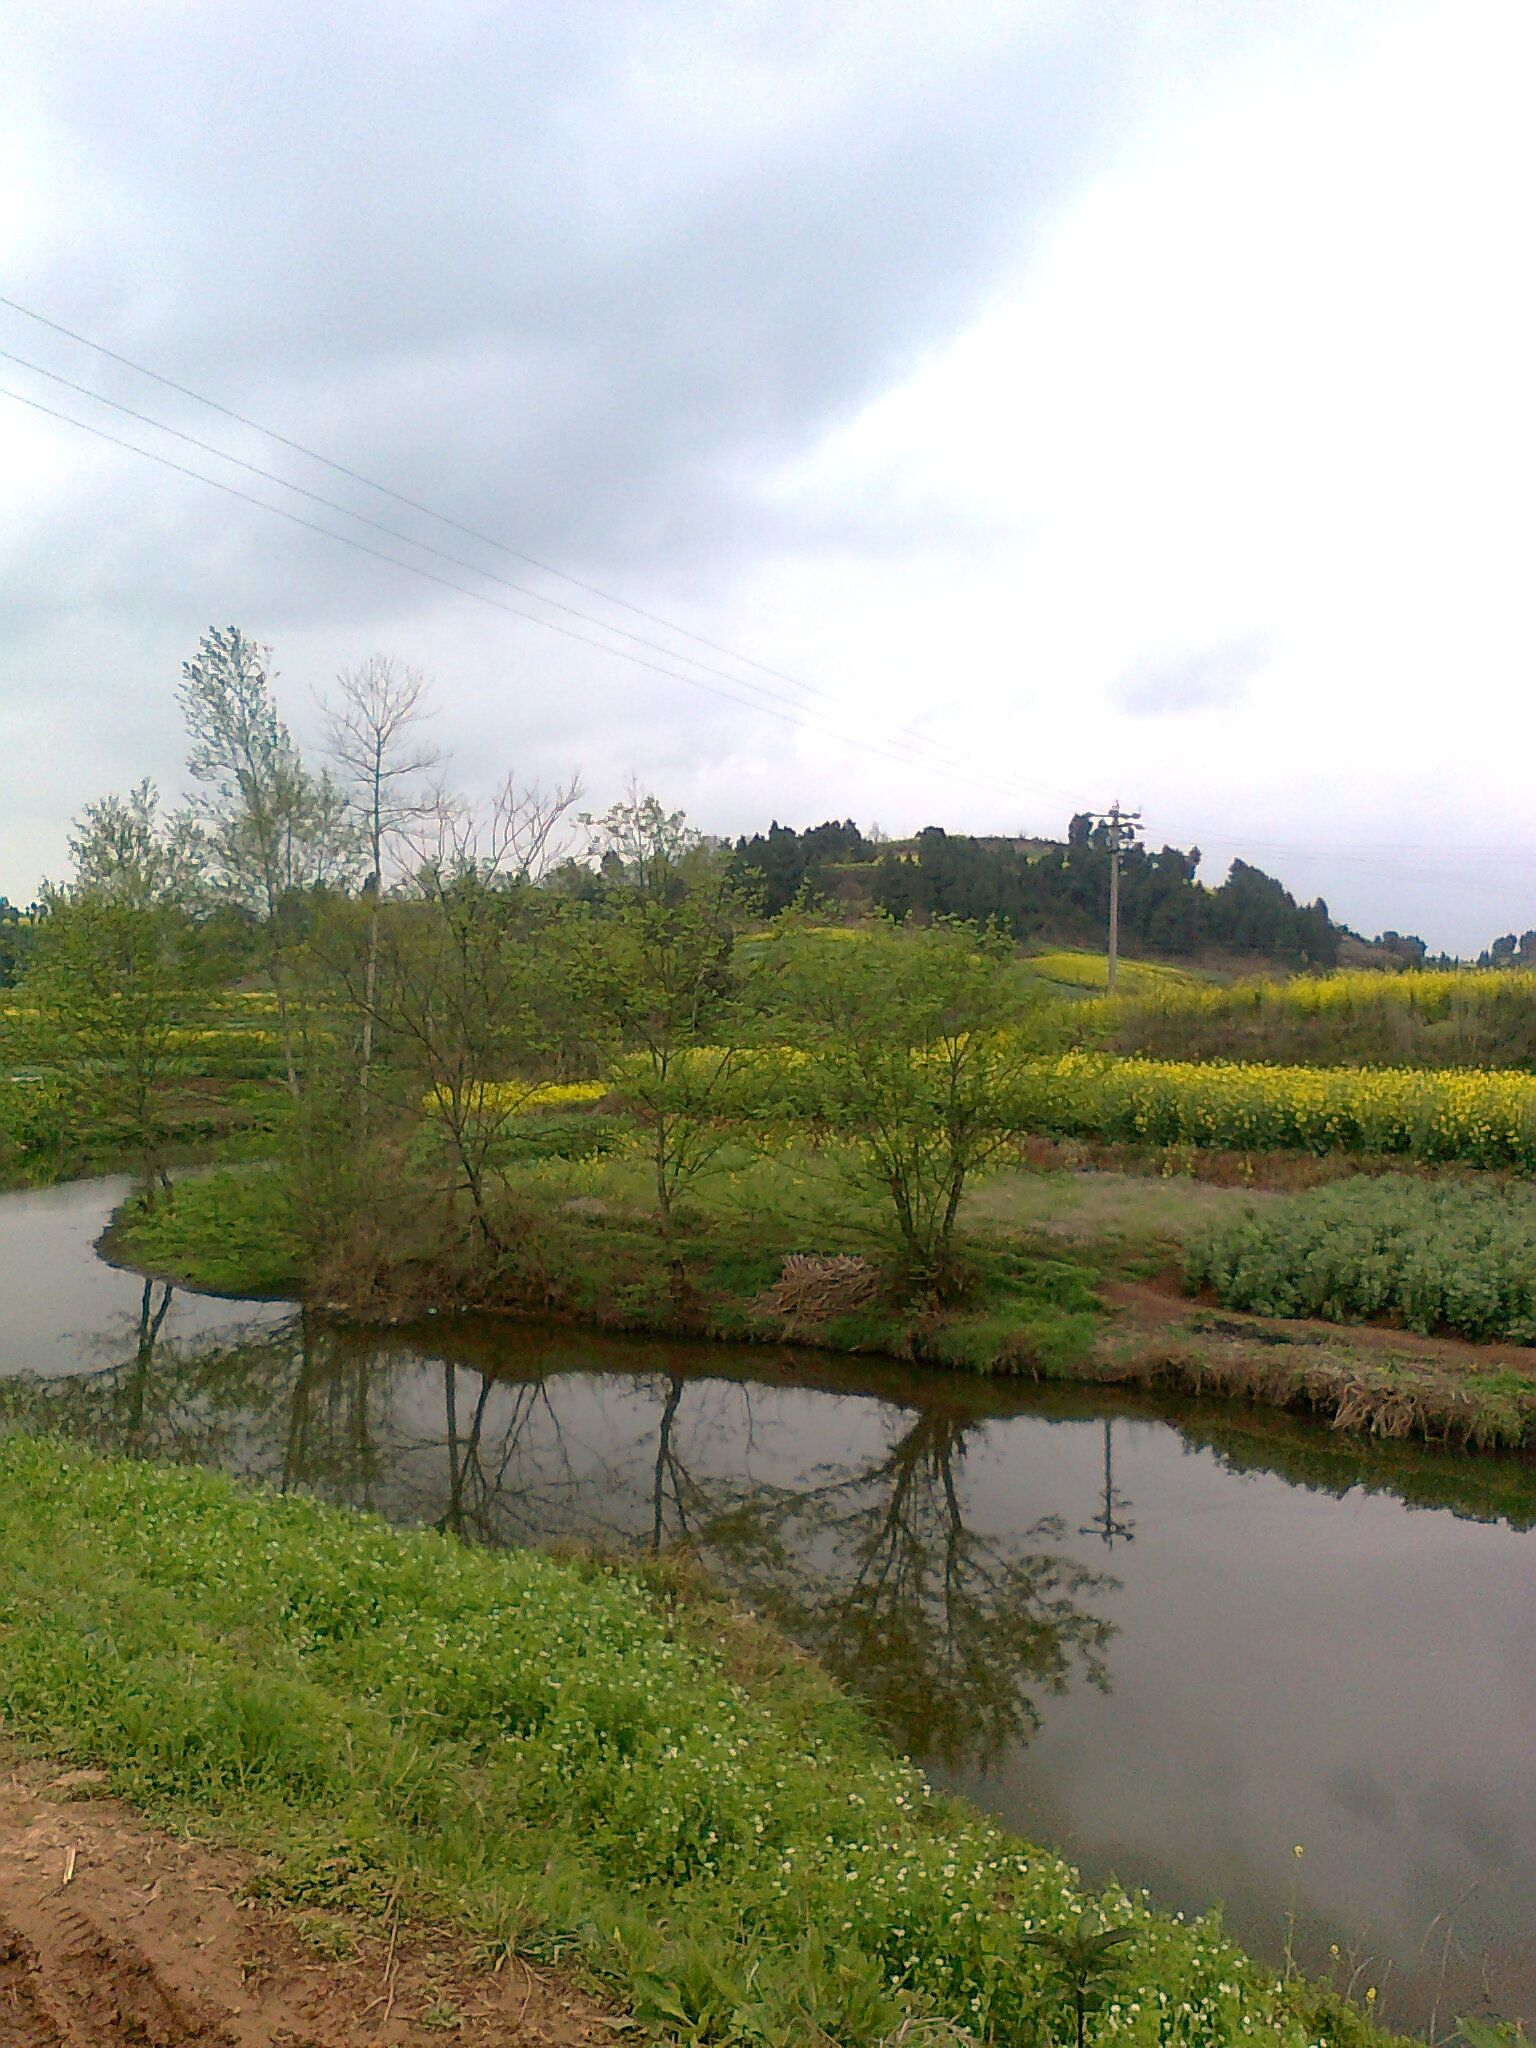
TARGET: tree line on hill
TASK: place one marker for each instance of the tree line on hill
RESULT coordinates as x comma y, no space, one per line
1045,889
1033,888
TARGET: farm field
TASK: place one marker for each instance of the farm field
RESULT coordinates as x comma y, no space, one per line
1447,1117
1464,1018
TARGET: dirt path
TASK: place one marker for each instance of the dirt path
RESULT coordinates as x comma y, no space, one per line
115,1936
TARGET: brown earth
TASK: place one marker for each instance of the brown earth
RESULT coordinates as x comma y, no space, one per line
113,1935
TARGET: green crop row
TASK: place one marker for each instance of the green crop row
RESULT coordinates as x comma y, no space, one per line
1430,1256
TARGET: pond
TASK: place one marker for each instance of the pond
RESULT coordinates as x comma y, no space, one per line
1175,1643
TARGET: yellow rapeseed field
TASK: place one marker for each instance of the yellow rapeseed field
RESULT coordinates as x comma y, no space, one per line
1452,1114
1433,993
520,1098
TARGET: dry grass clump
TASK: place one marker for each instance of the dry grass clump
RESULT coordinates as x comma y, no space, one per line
814,1289
1403,1398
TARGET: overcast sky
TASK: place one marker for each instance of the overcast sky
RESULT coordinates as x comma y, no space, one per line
1059,401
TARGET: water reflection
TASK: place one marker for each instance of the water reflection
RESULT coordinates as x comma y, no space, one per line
1315,1640
950,1633
1112,1524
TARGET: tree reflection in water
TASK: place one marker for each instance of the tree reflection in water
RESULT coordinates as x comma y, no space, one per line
206,1401
948,1634
952,1636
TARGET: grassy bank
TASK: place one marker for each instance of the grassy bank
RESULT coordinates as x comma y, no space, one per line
1382,1394
596,1259
572,1763
1059,1266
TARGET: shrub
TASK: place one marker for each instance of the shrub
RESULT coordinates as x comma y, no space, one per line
1429,1256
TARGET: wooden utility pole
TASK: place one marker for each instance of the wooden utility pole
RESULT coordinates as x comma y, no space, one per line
1123,827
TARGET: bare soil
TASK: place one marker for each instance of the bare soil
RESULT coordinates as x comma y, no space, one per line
113,1935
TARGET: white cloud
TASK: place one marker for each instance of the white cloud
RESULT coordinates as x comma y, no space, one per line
983,421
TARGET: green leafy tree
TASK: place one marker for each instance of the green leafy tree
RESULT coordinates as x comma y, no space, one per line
661,973
120,971
470,981
15,936
275,832
911,1042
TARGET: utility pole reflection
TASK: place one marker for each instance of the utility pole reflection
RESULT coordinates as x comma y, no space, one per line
1111,1524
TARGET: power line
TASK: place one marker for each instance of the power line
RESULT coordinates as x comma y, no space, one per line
458,526
378,525
915,752
921,752
516,611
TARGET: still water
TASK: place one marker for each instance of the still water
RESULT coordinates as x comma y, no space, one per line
1174,1643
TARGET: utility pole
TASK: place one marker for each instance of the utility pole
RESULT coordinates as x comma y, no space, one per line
1123,827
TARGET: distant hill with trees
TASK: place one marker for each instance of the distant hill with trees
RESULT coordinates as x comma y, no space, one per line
1053,890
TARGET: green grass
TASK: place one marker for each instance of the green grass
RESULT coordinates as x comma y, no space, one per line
224,1233
1116,1212
570,1762
602,1261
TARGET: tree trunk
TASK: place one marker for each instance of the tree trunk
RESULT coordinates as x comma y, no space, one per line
663,1190
370,991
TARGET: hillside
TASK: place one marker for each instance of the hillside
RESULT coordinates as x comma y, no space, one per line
1052,892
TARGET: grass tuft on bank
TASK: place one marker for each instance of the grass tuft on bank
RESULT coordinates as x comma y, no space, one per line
563,1759
227,1232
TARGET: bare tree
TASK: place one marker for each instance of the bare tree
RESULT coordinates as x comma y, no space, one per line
373,741
518,836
